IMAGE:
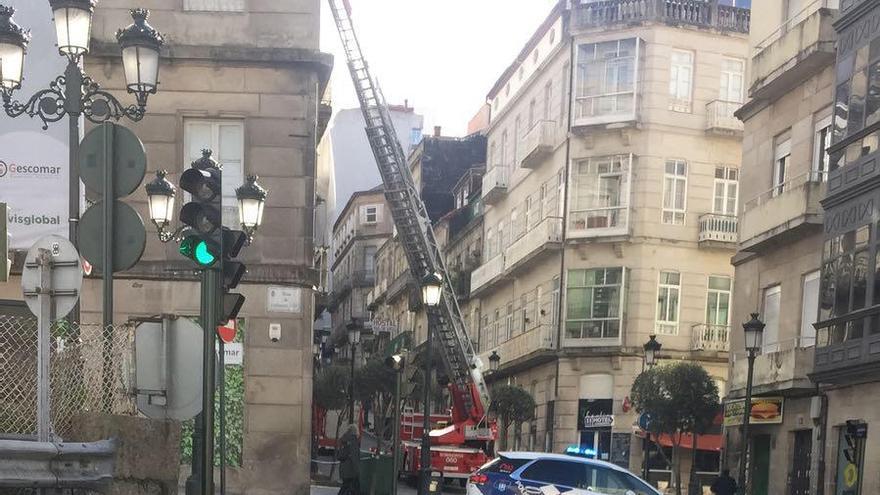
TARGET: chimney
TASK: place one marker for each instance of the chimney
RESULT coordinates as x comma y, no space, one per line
437,131
406,104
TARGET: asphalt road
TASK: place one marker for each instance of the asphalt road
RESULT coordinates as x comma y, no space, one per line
402,489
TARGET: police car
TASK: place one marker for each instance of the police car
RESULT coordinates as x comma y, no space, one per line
532,473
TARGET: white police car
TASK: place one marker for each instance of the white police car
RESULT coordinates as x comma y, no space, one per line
532,473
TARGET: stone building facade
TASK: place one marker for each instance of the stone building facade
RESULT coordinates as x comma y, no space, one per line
610,200
785,169
244,78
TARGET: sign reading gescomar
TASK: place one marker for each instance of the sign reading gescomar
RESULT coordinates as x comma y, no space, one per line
33,161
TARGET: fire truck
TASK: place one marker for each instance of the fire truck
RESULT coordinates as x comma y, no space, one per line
462,445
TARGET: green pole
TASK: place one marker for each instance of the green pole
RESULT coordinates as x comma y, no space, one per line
209,318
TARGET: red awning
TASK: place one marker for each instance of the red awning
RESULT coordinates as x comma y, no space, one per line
708,442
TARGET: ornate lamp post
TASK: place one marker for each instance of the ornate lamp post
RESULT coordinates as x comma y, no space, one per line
432,291
754,332
354,337
652,355
251,201
494,361
74,93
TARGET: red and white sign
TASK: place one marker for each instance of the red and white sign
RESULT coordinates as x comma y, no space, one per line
227,332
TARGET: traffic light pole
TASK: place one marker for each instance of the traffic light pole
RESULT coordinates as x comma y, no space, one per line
209,318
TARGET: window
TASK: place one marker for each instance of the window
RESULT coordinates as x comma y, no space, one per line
600,193
548,97
594,302
781,160
732,79
564,94
606,81
557,473
369,259
490,243
681,80
593,478
504,162
726,191
718,301
844,283
772,301
675,192
491,157
857,101
214,5
809,309
821,143
370,214
226,139
532,112
668,302
415,136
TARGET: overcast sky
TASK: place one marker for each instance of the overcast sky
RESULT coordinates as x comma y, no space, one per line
441,55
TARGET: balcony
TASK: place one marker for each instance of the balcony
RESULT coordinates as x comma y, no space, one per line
398,286
782,213
363,278
801,47
529,343
698,13
538,143
780,367
487,273
710,338
495,184
848,349
718,231
546,235
720,118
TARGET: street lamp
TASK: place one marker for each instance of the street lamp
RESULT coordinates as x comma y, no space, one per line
160,196
13,44
652,351
652,355
251,203
494,361
354,337
432,292
753,331
75,94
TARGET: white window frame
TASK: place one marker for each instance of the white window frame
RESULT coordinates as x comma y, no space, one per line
821,158
664,325
622,209
233,176
726,183
367,211
781,165
728,293
621,317
807,337
679,181
727,76
681,80
770,342
594,115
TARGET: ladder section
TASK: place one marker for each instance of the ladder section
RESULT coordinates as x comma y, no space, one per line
413,225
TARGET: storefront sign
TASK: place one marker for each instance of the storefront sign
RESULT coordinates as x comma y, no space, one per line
764,411
601,421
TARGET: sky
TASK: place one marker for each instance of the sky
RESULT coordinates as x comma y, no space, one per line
443,56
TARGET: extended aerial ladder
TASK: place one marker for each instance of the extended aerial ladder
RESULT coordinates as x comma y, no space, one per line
470,395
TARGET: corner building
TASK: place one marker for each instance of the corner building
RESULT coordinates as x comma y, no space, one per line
610,199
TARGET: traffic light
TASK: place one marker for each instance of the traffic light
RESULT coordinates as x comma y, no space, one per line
203,215
855,430
231,243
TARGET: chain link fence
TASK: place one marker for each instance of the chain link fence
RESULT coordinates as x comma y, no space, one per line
91,370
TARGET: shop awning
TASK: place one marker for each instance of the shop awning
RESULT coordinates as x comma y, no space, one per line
709,442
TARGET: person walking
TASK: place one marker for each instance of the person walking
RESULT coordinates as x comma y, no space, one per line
348,453
724,484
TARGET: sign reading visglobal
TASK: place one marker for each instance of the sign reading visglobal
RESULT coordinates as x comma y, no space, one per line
33,161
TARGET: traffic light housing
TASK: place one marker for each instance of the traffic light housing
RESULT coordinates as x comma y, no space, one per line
232,241
203,216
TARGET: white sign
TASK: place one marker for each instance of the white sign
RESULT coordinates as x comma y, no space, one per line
34,170
284,299
599,421
233,354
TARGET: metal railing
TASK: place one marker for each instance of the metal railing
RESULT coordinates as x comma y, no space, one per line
796,183
701,13
718,228
706,337
487,272
495,182
538,338
794,20
546,232
720,116
778,346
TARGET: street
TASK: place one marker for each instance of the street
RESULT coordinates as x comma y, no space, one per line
403,489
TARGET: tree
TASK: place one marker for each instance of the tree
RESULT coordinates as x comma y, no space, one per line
512,405
680,398
330,392
374,385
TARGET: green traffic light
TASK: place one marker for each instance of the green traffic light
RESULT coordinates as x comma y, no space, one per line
198,250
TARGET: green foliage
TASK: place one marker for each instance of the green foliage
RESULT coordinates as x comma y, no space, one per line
680,398
512,404
372,379
331,387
